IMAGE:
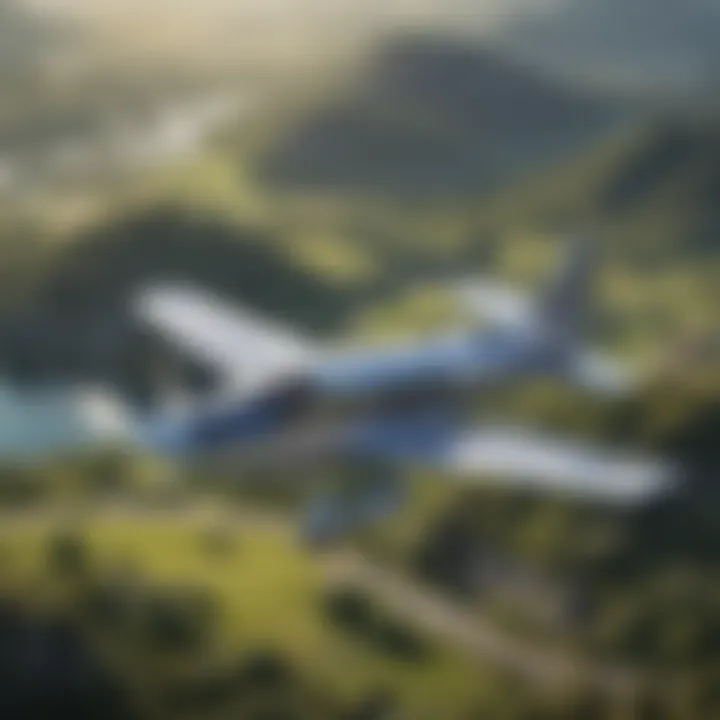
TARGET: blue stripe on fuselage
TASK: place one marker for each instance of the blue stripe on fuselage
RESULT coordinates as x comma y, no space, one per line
451,360
456,358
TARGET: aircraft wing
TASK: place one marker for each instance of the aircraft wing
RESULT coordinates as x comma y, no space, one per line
248,350
520,458
516,457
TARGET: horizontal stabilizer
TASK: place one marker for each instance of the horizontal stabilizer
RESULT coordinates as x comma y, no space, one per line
496,303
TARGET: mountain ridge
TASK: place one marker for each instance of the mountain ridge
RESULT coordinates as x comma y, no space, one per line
430,116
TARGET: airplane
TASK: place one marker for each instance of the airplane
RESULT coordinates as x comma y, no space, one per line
285,403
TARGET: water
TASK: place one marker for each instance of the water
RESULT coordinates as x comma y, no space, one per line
35,424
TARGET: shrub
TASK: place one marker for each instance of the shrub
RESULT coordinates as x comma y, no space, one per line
67,555
178,620
350,607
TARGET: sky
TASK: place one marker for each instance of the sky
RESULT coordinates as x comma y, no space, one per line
651,42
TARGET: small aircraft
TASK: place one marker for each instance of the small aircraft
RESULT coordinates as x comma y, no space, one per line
285,402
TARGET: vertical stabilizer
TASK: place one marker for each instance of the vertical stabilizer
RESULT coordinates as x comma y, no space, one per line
566,303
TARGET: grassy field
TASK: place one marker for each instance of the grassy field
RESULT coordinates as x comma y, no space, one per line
268,595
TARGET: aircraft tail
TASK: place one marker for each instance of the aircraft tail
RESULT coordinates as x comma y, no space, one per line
564,307
564,311
560,311
559,316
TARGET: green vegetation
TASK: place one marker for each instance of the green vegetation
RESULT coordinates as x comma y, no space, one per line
192,631
637,588
431,117
199,609
207,617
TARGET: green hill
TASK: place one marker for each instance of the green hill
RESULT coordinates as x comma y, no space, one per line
653,190
649,200
72,320
430,116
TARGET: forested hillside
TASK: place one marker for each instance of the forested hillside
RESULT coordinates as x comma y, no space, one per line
429,117
349,210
